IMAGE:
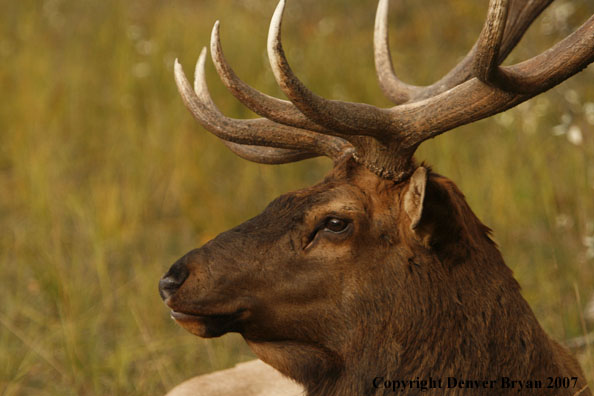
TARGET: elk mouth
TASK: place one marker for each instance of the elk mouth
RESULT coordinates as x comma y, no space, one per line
209,326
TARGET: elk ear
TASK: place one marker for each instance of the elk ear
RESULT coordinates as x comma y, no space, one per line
415,195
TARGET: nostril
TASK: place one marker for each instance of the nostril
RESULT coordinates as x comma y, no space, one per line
173,279
168,287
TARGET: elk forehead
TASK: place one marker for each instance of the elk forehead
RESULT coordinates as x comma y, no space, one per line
346,191
344,202
287,212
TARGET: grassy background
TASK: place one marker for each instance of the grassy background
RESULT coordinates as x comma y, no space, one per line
105,179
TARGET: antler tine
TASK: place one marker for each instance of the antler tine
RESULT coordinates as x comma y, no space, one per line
521,14
396,90
268,155
254,132
518,80
281,111
487,49
342,117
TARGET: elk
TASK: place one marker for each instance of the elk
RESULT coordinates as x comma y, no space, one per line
380,276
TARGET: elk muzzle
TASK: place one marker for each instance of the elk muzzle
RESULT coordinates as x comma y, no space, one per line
188,291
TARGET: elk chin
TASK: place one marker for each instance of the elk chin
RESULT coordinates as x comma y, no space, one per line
210,326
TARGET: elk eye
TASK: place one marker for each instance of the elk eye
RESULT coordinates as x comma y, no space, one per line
336,225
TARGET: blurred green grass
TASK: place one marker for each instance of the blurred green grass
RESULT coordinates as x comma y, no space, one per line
105,179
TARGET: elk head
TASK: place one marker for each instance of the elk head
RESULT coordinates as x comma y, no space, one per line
382,251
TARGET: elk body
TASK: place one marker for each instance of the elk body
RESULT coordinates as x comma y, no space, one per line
252,378
381,272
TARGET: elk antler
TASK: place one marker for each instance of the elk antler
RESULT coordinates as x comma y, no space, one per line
280,143
385,140
521,14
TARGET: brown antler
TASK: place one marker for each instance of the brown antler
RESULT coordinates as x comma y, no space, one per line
281,111
521,14
385,140
245,136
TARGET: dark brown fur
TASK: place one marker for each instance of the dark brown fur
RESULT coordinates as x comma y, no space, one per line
335,311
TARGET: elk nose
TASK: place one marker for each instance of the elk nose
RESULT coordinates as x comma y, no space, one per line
173,279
